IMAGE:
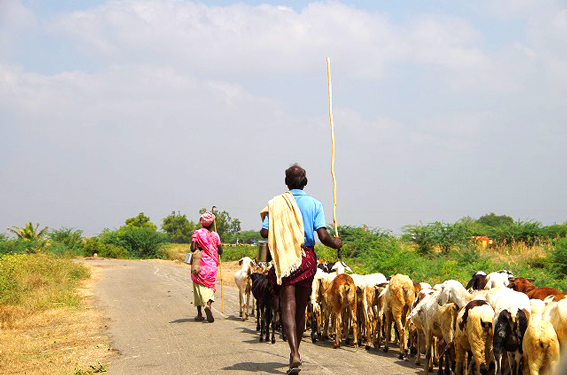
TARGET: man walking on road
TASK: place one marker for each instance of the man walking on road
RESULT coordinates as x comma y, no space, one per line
290,222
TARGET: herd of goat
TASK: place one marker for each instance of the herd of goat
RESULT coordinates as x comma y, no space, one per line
496,324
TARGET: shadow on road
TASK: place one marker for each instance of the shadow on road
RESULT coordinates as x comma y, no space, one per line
234,317
186,320
269,367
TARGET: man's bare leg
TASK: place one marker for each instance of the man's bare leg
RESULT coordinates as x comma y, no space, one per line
301,300
287,298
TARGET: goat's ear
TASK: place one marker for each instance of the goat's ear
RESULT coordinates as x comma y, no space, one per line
512,279
240,262
530,280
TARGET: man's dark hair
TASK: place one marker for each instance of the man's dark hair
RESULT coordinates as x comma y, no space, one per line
295,177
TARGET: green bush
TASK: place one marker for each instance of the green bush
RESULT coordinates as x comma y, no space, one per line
108,250
238,252
61,250
140,242
529,233
113,251
559,256
70,237
21,246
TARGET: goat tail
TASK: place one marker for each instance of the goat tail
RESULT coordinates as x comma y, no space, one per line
486,325
408,294
544,343
344,292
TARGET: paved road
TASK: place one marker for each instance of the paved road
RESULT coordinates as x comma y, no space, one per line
152,327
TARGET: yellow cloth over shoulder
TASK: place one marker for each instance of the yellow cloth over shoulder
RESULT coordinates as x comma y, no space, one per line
286,235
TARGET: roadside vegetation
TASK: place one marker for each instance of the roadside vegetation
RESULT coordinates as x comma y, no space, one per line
45,322
427,252
440,251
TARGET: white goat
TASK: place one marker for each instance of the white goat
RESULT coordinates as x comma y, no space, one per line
540,343
244,284
340,267
498,279
556,313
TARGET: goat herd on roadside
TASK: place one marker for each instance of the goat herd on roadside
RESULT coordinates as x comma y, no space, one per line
497,324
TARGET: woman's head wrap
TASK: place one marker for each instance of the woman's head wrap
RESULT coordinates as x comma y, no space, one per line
206,219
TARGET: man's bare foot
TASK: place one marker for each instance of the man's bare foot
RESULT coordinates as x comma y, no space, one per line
294,362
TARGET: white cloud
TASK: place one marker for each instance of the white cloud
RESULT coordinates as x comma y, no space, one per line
242,39
182,91
15,20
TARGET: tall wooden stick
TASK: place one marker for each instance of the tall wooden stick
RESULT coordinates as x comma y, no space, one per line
332,147
220,273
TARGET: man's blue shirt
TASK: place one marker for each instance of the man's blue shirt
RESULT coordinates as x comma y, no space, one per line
312,212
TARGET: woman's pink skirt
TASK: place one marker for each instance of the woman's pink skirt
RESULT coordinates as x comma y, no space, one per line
303,276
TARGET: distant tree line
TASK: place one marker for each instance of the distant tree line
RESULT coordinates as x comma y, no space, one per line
140,238
137,238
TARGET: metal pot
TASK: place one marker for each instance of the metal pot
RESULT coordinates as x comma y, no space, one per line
262,251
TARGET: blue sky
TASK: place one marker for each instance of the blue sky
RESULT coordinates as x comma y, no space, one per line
443,109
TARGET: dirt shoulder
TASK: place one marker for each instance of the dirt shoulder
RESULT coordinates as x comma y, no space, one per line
57,341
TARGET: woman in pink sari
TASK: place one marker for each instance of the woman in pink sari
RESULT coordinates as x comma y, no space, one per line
204,288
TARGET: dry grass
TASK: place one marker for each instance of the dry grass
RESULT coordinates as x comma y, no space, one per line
515,253
174,251
56,340
228,271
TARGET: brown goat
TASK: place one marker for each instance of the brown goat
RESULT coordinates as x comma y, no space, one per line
341,296
524,285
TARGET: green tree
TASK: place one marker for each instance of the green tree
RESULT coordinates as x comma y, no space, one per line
493,220
178,227
140,221
28,232
70,237
227,227
30,237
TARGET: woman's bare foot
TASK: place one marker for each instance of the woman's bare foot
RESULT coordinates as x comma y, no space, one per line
209,314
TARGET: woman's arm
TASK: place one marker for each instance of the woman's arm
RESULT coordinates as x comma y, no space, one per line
219,249
193,246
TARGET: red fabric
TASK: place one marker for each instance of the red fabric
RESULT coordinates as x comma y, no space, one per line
303,276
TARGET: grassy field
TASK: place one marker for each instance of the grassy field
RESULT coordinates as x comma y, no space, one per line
48,325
